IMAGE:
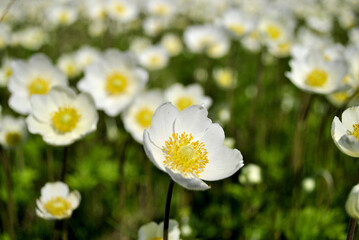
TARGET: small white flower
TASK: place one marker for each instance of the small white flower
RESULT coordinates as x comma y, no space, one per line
32,38
122,10
13,131
85,56
97,28
154,231
161,8
37,76
56,201
61,116
138,116
153,26
68,65
189,147
345,133
251,173
62,15
237,23
139,44
183,97
113,80
308,184
154,58
5,72
352,204
172,43
224,77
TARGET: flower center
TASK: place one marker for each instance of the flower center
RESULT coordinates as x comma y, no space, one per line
13,139
317,78
273,32
116,83
184,155
65,119
184,102
236,28
8,72
64,17
39,86
355,132
144,116
120,9
57,206
161,10
155,61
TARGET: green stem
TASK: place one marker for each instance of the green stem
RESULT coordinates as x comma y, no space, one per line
167,210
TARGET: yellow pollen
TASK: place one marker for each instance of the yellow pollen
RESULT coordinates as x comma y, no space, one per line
355,132
57,206
65,119
237,28
116,83
144,116
8,72
184,155
184,102
317,78
38,85
13,139
273,32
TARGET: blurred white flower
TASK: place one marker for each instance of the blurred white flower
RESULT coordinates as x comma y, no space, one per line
113,80
5,35
61,117
153,26
237,22
275,30
224,77
139,44
32,37
138,116
317,75
229,142
97,28
154,231
5,72
207,39
96,9
56,201
172,43
161,8
154,58
183,97
308,184
37,76
13,131
189,147
250,174
68,65
345,133
62,15
352,204
85,56
122,10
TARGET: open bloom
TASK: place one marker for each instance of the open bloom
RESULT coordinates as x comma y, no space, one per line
189,147
345,133
56,202
62,117
154,231
13,131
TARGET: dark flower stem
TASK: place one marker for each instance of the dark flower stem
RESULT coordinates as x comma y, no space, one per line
64,163
167,210
351,230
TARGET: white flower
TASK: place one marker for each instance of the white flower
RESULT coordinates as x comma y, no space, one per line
61,116
139,44
153,58
113,80
251,173
183,97
138,116
5,35
207,39
32,38
122,10
152,26
161,8
315,74
13,131
237,22
308,184
154,231
5,72
345,133
85,56
224,77
97,28
172,43
352,204
37,76
56,202
62,15
68,65
189,147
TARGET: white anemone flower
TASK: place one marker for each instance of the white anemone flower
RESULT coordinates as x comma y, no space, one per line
62,117
138,116
315,74
345,133
207,39
352,203
68,65
250,174
13,131
113,80
62,15
161,8
238,23
35,77
154,58
56,201
85,56
172,43
189,147
32,38
122,10
154,231
183,97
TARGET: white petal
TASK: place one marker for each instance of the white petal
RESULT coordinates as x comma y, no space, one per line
338,130
74,198
148,231
54,189
349,117
195,184
222,163
153,152
349,145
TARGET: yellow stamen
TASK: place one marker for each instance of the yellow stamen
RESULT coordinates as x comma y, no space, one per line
355,132
317,78
144,116
65,119
8,72
57,206
237,28
13,139
184,155
273,32
39,85
116,83
184,102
